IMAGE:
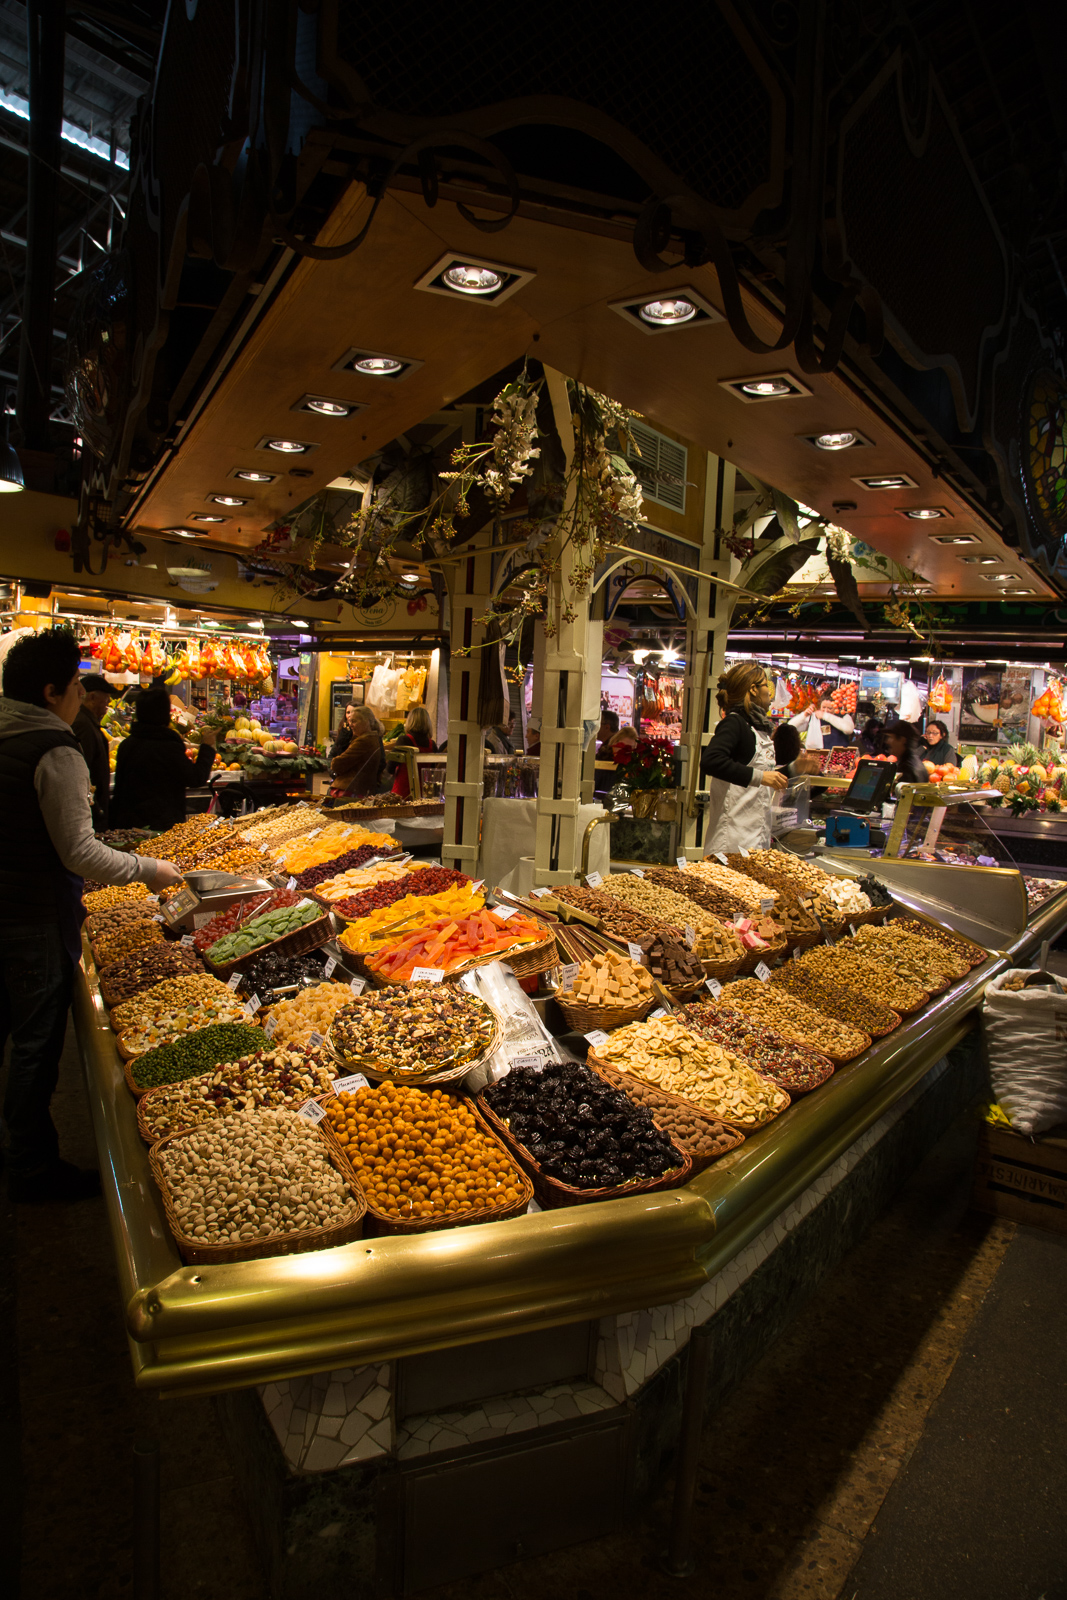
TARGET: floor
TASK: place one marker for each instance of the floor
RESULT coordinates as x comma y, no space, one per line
903,1440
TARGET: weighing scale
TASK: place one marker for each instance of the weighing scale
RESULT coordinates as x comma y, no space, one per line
206,894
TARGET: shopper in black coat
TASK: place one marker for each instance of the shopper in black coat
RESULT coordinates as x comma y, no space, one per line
152,770
93,740
902,740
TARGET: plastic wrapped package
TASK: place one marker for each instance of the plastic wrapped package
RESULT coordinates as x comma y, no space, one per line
523,1034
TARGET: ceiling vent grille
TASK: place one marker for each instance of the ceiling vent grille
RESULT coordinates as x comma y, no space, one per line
660,468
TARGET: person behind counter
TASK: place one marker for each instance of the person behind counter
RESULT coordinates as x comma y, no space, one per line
609,727
98,695
152,770
741,764
902,742
346,731
871,738
357,768
417,735
835,729
938,747
44,793
497,739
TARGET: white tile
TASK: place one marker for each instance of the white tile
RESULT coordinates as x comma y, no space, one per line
333,1403
382,1433
329,1427
375,1404
353,1428
323,1455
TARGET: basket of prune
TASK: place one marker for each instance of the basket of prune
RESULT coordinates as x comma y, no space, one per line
275,977
579,1138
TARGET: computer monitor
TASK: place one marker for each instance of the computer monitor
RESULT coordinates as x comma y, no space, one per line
871,783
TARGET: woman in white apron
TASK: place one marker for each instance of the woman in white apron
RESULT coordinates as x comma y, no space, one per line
740,763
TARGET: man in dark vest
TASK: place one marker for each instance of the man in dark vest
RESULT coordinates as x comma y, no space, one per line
98,695
49,850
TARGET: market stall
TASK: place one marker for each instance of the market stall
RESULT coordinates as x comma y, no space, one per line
774,1047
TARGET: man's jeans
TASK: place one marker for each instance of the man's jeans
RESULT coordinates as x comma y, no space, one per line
36,980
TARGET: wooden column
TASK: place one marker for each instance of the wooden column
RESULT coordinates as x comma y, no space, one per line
469,589
705,647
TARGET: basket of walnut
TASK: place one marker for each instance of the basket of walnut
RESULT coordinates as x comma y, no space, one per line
607,992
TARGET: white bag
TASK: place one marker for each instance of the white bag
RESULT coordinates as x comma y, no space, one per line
1026,1037
814,738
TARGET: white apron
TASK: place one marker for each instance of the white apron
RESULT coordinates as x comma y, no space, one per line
737,816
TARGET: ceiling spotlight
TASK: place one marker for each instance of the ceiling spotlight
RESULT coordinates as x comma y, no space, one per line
287,447
466,279
255,623
227,500
954,538
668,311
256,477
486,282
834,441
323,406
926,513
180,533
753,390
204,516
378,366
767,388
376,363
1018,591
409,577
887,480
640,656
300,623
979,561
997,577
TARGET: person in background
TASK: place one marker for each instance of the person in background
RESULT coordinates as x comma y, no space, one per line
152,770
417,735
98,695
741,763
789,755
871,738
499,738
44,792
836,729
346,731
938,747
902,741
609,727
357,769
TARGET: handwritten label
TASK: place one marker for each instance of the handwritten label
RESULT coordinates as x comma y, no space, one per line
714,987
349,1085
316,1041
597,1038
269,1026
568,974
187,939
763,972
357,985
720,857
233,982
328,969
504,912
635,952
636,872
767,903
152,899
539,894
690,936
593,880
159,917
796,952
291,885
427,974
681,863
660,1011
313,834
253,1003
527,1060
312,1111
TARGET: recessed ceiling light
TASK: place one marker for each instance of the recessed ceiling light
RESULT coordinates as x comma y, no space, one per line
671,312
286,447
227,500
835,441
470,278
255,477
324,406
997,577
925,513
1019,591
205,516
954,538
376,364
181,533
887,480
761,387
978,561
409,577
681,308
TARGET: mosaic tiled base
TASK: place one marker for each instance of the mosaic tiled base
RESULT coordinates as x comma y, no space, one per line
334,1419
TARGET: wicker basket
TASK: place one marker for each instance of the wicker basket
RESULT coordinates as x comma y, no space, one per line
102,959
974,953
876,915
384,1224
446,1075
527,961
110,998
771,952
310,937
551,1193
584,1018
284,1244
682,992
650,1097
723,970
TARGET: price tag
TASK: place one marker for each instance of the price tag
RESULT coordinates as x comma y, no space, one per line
328,969
796,952
593,880
763,972
714,987
291,885
349,1085
187,939
159,917
654,1016
681,863
851,929
597,1038
527,1060
357,985
504,912
233,982
635,952
539,894
253,1003
263,849
690,936
316,1041
152,899
312,1111
744,852
720,857
636,872
313,834
427,974
477,884
269,1026
568,974
767,904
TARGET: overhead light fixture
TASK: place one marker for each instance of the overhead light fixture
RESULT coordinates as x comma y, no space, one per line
249,476
1019,591
765,386
409,577
11,478
641,656
300,623
206,516
180,533
323,406
471,278
954,538
227,500
255,623
923,513
681,308
836,441
286,447
375,364
887,480
997,577
979,561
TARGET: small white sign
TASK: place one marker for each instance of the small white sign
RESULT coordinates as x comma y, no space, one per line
796,952
690,935
744,852
427,974
539,894
477,884
291,885
159,917
187,939
593,880
526,1061
504,912
597,1038
316,1041
660,1011
233,982
763,972
152,899
328,969
714,987
568,974
312,1111
263,849
349,1085
767,904
681,863
635,952
357,985
313,834
269,1026
720,857
636,872
851,929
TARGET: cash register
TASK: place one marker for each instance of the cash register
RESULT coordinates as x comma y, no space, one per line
848,825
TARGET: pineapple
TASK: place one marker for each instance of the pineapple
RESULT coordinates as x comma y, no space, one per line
1002,782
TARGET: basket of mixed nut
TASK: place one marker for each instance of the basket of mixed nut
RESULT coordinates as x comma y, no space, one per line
414,1033
272,1077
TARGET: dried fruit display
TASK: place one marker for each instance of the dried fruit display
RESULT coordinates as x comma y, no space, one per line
837,999
412,1032
794,1067
665,1053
